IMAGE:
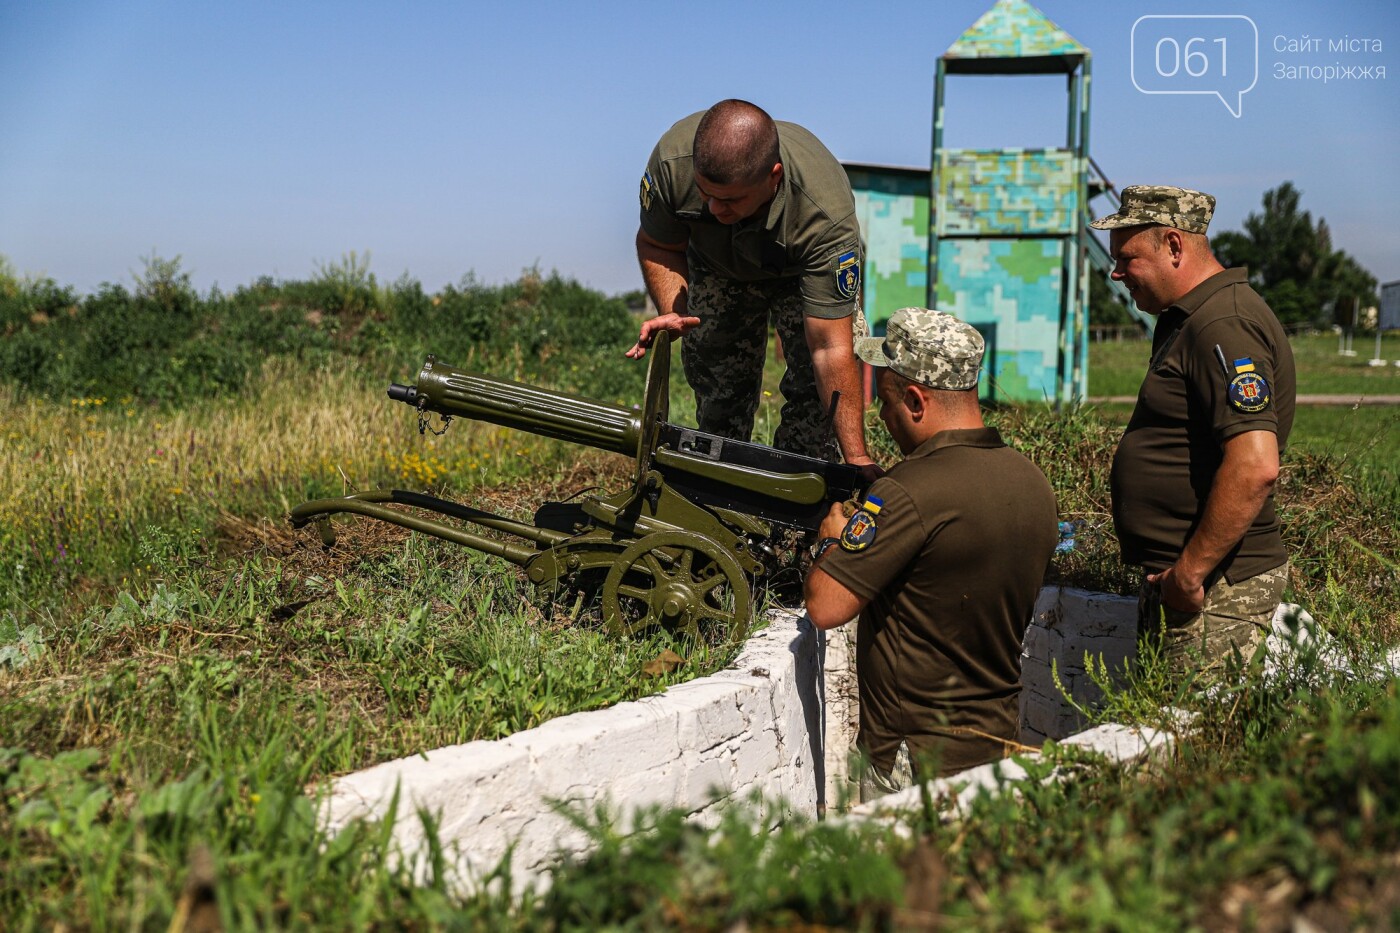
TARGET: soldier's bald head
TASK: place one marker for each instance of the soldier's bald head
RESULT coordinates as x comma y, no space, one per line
736,143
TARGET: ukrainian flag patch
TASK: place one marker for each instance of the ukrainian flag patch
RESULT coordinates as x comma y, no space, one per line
648,191
847,274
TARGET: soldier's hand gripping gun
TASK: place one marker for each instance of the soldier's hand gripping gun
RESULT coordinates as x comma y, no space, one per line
705,515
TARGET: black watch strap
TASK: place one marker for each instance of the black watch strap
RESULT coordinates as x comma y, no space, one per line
822,546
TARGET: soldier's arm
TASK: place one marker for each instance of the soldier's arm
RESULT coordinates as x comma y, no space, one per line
829,603
837,370
665,272
1241,486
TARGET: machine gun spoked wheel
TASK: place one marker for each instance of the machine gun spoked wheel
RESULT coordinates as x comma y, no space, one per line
705,519
682,581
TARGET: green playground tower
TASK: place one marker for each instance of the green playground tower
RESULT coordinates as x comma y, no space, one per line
998,237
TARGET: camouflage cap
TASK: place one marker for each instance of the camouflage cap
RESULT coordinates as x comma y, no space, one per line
930,347
1181,208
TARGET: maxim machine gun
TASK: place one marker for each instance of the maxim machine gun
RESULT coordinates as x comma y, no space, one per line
704,517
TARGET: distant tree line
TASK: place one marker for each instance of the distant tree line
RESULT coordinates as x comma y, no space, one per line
1292,264
161,341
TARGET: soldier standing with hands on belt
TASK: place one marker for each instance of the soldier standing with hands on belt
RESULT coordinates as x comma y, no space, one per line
1193,476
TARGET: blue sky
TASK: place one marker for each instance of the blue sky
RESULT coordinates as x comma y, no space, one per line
445,138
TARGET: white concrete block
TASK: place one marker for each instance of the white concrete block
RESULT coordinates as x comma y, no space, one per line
789,702
1030,736
1067,723
1039,713
1120,743
1098,613
444,777
1086,692
1037,677
1042,643
631,741
1047,608
707,780
708,711
753,759
1114,650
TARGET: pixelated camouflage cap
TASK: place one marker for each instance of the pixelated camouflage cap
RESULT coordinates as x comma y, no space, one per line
930,347
1181,208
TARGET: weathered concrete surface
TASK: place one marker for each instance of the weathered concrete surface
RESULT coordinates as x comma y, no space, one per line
780,722
1118,744
1071,629
758,727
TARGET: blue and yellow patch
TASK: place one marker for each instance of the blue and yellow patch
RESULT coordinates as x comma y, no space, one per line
1249,392
860,529
648,191
847,275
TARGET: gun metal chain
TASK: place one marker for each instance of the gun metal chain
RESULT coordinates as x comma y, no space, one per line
424,426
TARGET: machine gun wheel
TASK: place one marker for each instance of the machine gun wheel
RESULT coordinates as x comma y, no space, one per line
681,580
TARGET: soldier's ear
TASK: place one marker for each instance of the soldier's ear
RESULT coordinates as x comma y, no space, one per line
1176,244
913,400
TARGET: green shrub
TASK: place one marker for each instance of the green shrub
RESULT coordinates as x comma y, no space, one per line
163,343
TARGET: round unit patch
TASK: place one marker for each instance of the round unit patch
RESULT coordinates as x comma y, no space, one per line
859,532
1249,393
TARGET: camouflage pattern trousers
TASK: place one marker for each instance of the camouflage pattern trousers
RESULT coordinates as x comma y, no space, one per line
1234,616
724,356
875,783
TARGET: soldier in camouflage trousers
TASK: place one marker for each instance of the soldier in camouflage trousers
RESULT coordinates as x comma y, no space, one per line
1232,618
723,359
746,222
1194,473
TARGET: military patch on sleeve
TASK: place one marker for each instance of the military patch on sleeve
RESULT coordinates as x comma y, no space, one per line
1249,393
859,532
648,191
847,275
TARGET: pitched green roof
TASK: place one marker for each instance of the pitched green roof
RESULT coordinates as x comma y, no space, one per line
1013,29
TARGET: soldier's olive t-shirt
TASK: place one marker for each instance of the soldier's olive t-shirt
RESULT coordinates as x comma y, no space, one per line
962,542
1221,365
808,232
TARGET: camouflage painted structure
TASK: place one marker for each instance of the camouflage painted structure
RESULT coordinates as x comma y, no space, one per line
997,237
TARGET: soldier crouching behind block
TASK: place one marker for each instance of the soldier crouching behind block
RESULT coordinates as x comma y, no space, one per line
942,563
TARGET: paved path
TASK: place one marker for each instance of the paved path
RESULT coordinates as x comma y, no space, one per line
1352,400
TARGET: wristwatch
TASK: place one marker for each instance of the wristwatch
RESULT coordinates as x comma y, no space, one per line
821,547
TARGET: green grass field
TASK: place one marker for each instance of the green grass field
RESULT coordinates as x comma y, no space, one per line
1117,367
180,672
1363,439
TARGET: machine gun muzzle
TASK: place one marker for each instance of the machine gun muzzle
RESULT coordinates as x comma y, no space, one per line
402,393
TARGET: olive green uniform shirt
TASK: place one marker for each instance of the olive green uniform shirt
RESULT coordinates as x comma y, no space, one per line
1192,400
808,232
962,542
